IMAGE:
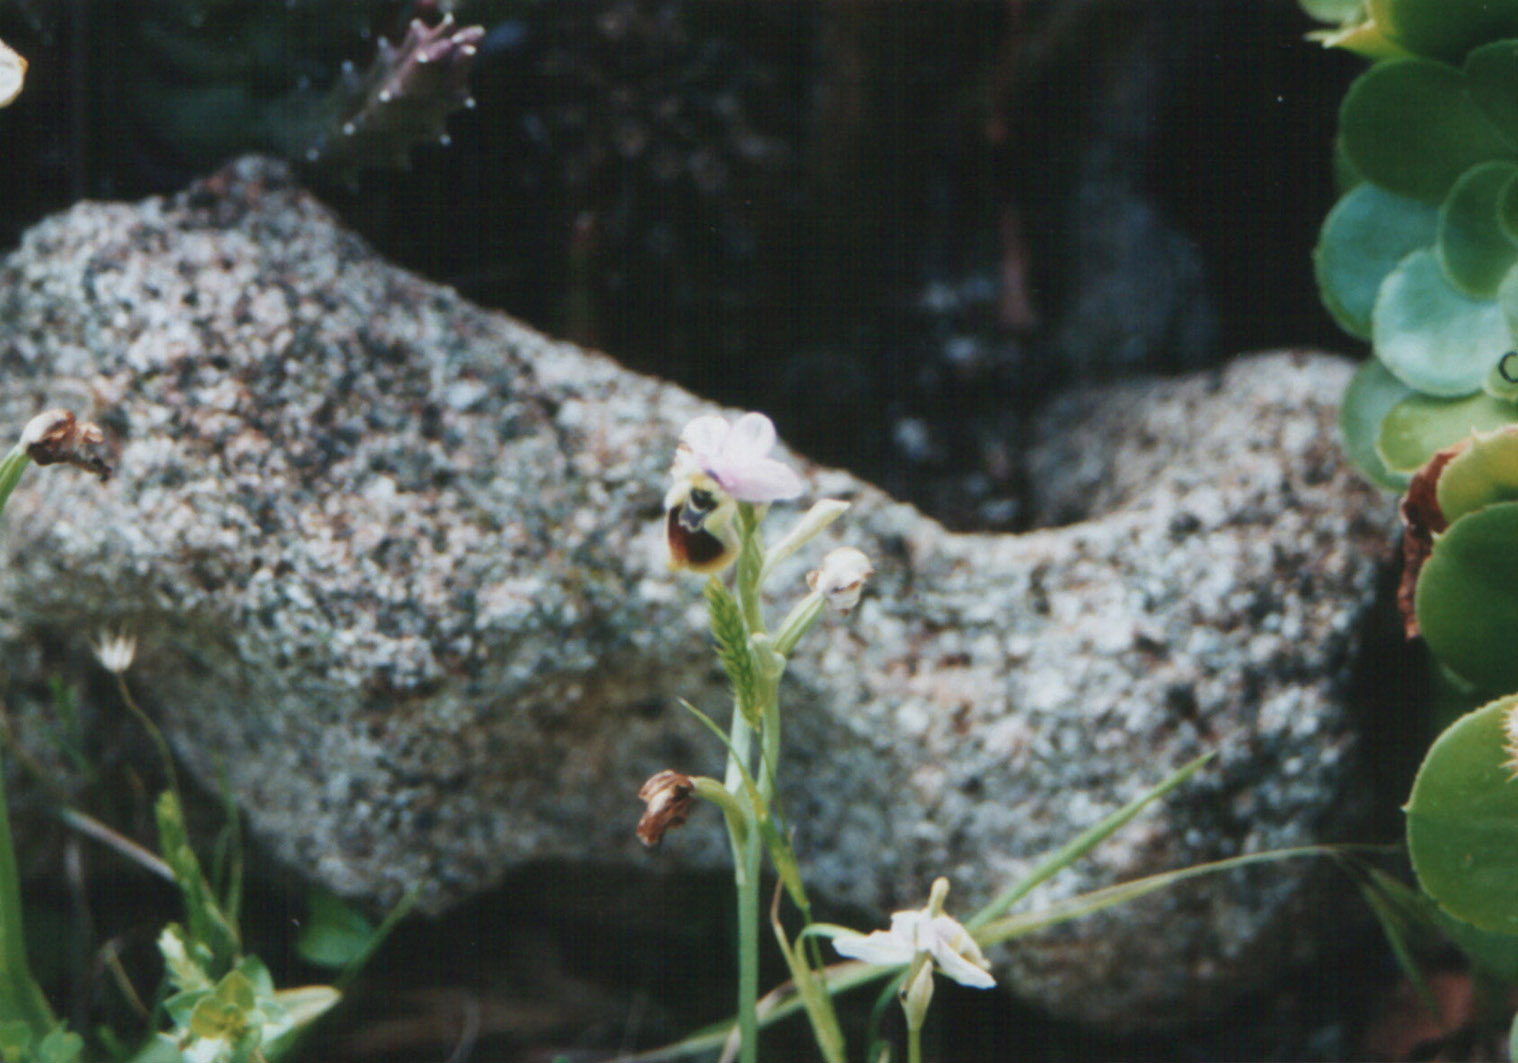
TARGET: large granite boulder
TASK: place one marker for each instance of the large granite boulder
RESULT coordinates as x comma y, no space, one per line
395,568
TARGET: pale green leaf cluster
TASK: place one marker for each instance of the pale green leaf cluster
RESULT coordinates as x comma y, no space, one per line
1420,255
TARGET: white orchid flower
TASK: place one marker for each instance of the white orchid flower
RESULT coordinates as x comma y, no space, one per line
922,932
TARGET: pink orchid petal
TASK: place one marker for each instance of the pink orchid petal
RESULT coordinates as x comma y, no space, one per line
750,439
764,480
705,436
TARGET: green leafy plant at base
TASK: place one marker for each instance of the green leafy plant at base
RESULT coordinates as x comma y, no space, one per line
220,1004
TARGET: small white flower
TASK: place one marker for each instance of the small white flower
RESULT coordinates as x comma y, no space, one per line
924,931
116,650
841,577
736,457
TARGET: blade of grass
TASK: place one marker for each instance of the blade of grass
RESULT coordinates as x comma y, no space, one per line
1081,844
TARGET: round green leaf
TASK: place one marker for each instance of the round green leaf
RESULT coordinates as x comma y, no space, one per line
1502,378
1419,427
1366,234
1445,29
1433,338
1491,77
1467,598
1507,211
1409,126
334,934
1462,822
1370,396
1483,473
1473,248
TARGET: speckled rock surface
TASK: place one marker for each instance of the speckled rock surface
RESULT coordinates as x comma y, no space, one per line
394,562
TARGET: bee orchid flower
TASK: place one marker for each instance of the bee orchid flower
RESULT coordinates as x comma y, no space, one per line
717,465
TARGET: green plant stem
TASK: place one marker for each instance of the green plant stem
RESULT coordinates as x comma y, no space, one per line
914,1044
748,849
11,467
20,995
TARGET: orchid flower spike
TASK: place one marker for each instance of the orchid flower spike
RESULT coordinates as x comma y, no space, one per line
717,465
923,932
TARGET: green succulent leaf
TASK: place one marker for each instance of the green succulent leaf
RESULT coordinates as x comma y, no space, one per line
1502,379
1462,821
1367,233
1467,600
1370,396
1445,29
1473,248
1483,473
1419,427
1434,339
1410,126
1495,954
1491,77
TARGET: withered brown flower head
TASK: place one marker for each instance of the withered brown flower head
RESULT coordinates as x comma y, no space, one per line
669,800
54,437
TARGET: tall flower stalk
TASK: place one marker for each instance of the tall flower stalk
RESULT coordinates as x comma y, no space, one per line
723,482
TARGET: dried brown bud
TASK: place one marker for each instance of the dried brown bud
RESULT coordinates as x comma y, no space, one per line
669,800
1422,519
54,436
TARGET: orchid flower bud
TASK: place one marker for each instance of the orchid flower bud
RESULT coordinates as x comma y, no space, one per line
840,579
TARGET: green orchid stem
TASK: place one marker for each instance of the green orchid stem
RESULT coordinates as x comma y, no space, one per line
11,468
748,848
20,995
733,812
798,622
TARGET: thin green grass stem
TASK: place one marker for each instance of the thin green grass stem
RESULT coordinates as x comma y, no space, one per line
1081,844
20,994
748,948
11,467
